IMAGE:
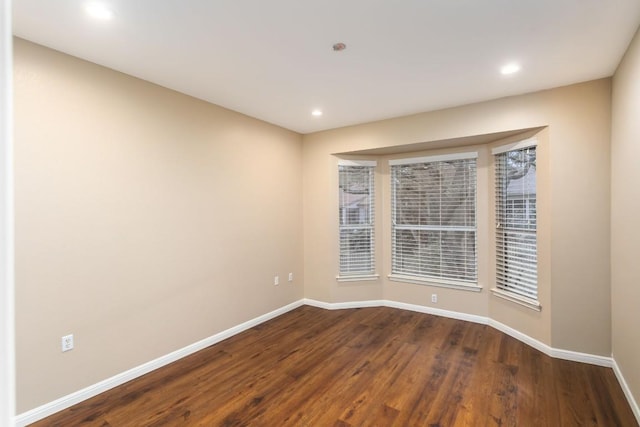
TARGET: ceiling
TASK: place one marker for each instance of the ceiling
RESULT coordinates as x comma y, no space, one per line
273,60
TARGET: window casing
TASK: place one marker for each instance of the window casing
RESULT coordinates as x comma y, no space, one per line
516,222
356,216
433,213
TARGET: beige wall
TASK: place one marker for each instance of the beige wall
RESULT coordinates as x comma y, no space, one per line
625,208
146,221
575,265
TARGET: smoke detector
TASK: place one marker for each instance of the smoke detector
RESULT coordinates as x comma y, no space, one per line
339,47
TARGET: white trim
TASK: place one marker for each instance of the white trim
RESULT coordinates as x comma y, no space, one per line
627,391
395,304
437,312
368,163
7,277
431,159
441,283
525,143
342,305
540,346
358,278
556,353
575,356
93,390
523,301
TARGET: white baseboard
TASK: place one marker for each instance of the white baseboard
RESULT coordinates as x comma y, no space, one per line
538,345
65,402
436,311
342,305
556,353
91,391
574,356
627,391
395,304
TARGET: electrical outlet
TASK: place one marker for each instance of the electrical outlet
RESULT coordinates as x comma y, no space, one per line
276,280
434,298
67,342
291,277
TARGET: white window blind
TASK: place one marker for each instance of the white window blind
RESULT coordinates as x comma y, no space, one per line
356,210
516,222
433,204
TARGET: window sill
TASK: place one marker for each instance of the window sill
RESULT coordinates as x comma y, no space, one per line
523,301
463,286
358,278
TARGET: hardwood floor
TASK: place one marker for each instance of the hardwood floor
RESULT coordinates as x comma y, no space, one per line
362,367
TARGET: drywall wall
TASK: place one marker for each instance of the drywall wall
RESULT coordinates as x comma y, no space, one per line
625,205
576,312
146,220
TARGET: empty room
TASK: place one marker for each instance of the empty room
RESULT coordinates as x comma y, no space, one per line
340,213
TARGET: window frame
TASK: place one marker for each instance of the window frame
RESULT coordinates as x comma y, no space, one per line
399,275
362,275
501,203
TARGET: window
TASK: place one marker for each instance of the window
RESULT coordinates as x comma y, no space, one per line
433,212
356,213
516,221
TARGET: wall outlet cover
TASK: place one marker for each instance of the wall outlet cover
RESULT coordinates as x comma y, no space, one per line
67,342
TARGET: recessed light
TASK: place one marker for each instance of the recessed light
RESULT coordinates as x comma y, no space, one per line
316,113
98,11
511,68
